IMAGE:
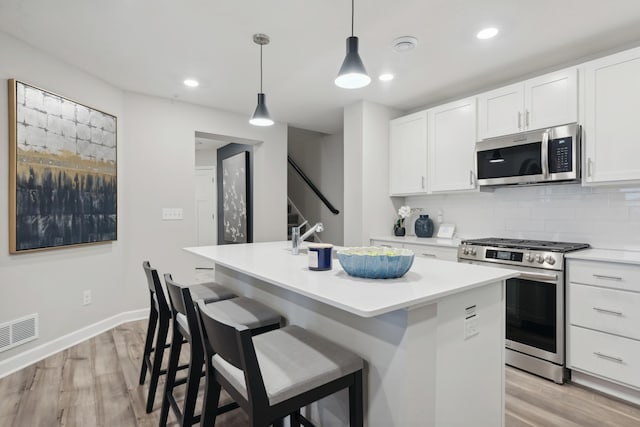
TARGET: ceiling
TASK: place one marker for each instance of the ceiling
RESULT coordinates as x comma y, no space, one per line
151,46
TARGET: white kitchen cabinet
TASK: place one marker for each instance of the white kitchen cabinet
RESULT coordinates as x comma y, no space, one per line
451,146
433,248
541,102
611,131
603,324
408,154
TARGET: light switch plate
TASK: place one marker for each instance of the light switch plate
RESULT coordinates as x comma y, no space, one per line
171,214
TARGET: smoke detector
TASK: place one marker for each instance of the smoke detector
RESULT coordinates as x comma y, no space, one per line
404,44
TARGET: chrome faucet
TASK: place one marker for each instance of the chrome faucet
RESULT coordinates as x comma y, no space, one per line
297,239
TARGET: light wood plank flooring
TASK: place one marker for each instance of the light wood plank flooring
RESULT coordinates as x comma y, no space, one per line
95,383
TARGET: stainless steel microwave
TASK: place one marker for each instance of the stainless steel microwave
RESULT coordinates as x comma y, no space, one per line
543,156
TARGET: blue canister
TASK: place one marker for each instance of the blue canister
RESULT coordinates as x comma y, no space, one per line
320,256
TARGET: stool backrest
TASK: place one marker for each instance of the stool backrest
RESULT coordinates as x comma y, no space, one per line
233,342
175,295
155,287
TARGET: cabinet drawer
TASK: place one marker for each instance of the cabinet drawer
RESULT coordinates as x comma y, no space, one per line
605,274
385,243
433,252
605,309
605,355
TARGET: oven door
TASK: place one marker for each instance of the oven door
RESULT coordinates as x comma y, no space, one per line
535,312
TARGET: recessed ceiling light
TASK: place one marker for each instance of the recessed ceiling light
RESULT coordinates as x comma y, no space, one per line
386,77
191,83
404,44
487,33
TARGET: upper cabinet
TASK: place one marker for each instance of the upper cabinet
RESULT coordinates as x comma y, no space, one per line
408,154
611,105
451,146
544,101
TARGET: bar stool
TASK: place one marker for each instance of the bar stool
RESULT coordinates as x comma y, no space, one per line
159,317
274,374
256,317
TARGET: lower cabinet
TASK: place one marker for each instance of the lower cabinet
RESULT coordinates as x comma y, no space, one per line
603,326
443,253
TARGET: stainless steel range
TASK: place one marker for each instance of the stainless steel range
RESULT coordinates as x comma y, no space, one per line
535,305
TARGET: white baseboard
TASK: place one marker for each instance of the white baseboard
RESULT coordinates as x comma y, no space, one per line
45,350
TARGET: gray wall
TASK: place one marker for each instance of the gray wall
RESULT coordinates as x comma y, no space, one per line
320,156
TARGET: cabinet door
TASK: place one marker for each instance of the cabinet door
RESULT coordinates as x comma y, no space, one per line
611,131
408,154
500,111
433,252
551,100
452,136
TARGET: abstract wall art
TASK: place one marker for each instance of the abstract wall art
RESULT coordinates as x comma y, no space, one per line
234,194
62,171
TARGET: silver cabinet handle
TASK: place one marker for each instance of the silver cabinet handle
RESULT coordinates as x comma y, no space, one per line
385,246
471,178
422,181
527,115
601,276
605,356
545,154
604,310
519,120
429,255
589,167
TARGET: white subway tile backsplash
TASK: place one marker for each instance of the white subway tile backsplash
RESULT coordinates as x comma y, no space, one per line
606,217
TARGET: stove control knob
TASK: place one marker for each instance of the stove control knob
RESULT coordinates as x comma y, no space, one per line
465,250
539,259
549,259
472,251
528,257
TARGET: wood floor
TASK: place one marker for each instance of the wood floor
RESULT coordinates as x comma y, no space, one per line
95,383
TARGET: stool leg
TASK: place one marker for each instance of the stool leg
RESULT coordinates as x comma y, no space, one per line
355,401
294,419
172,368
156,367
151,331
193,381
211,400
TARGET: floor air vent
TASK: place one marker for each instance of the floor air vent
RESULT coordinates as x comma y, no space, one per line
18,331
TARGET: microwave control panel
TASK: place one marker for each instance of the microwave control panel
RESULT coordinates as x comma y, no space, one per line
560,155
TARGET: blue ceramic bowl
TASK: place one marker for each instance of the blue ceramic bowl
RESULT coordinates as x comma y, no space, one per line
376,263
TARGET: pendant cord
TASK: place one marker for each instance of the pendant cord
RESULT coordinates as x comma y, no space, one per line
260,68
352,13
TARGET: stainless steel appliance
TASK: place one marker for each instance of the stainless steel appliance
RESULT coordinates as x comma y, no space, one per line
542,156
535,305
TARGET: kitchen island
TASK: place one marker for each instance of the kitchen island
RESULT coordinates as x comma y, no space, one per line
433,340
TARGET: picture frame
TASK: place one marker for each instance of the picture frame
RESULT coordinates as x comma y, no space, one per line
62,171
235,194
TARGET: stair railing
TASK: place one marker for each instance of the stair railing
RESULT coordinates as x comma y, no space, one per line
312,186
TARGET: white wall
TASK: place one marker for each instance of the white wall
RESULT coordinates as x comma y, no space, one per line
320,156
161,163
368,208
51,283
156,160
605,217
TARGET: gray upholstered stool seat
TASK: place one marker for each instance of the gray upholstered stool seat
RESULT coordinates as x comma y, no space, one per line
274,374
210,292
292,361
241,310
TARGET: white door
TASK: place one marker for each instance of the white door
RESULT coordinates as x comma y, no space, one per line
551,100
611,131
206,206
408,154
500,111
452,138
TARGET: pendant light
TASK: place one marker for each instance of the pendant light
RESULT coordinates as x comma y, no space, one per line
352,74
261,116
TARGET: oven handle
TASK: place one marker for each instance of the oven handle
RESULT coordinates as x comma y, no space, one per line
539,277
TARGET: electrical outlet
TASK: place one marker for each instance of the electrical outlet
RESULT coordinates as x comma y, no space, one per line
471,326
86,297
171,214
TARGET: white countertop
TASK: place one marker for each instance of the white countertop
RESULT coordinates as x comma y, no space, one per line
427,281
606,255
428,241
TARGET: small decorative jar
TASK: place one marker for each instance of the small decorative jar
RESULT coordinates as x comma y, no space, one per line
399,231
424,226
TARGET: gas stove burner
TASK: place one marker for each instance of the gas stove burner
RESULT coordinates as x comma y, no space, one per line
527,244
